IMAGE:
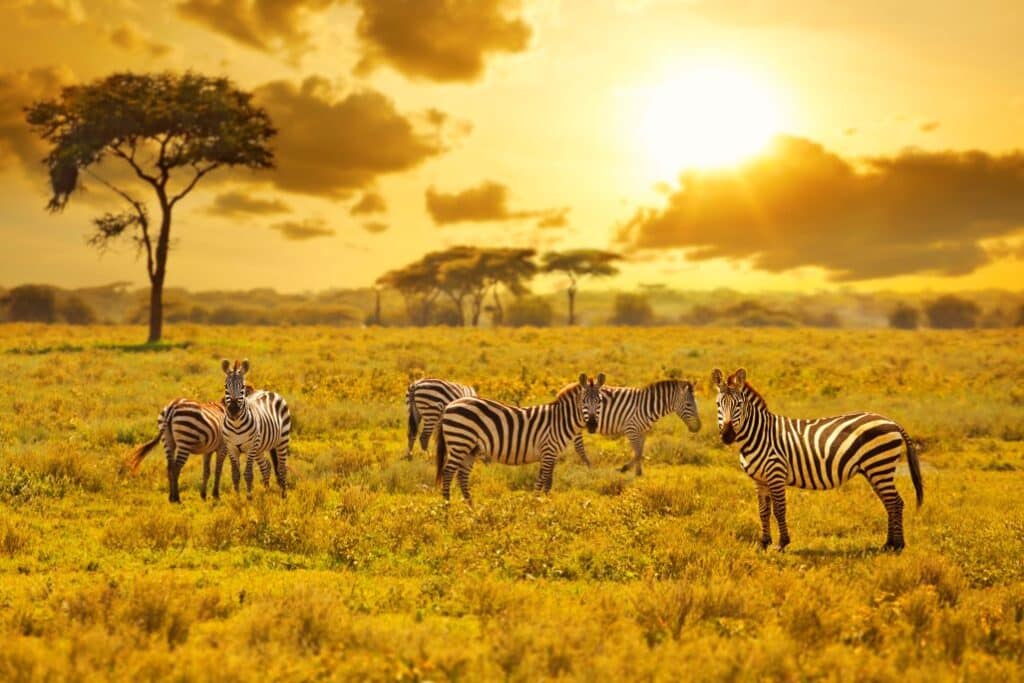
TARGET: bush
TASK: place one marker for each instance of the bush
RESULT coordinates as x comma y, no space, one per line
632,309
951,312
529,310
32,303
904,317
76,312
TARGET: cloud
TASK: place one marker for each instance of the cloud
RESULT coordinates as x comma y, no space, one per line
303,230
18,89
375,227
928,126
439,40
130,37
238,203
267,25
485,202
801,205
50,11
370,202
332,146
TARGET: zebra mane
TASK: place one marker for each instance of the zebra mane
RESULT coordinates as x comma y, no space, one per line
754,394
667,382
566,391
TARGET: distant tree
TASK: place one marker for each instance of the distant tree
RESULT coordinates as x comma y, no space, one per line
534,311
156,124
1020,316
904,317
578,263
632,309
417,283
509,268
996,318
32,303
952,312
76,312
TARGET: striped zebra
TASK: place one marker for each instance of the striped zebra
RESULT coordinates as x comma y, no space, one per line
186,427
632,411
515,436
779,451
253,423
426,400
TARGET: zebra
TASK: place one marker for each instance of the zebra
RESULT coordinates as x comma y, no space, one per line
253,423
512,435
634,410
186,427
426,400
779,451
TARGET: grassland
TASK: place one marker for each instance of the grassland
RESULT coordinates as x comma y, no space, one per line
361,574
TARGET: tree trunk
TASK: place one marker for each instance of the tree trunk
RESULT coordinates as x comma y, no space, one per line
156,310
572,304
499,312
156,292
376,308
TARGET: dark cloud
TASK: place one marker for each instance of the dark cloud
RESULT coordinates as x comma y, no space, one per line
19,89
130,37
303,230
375,227
801,205
929,126
370,202
238,203
439,40
330,145
486,202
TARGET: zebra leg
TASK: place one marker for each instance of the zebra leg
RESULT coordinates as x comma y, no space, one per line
173,471
450,468
764,507
428,429
463,475
236,470
548,460
264,463
248,473
885,488
637,442
221,454
778,494
281,470
206,474
577,443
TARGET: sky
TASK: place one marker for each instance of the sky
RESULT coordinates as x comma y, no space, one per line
782,145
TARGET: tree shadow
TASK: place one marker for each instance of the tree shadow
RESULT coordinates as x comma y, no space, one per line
123,348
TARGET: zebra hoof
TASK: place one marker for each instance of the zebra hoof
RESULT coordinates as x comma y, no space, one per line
625,468
766,542
893,547
783,542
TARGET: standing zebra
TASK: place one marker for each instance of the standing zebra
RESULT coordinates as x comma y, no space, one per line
515,436
426,400
253,423
633,411
779,451
186,427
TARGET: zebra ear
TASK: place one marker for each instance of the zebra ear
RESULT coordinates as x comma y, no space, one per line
245,366
716,377
740,377
600,379
225,365
583,379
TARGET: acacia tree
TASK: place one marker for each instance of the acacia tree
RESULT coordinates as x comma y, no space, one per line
577,263
509,268
156,125
417,282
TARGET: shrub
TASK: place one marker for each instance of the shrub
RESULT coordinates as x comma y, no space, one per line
632,309
76,312
951,312
529,310
904,317
32,303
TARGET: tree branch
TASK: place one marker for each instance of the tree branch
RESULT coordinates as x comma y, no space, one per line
140,210
118,152
200,172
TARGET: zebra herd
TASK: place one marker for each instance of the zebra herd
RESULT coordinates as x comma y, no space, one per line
775,451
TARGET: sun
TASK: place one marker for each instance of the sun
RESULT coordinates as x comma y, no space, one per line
707,117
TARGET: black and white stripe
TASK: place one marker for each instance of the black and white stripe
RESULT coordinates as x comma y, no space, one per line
632,411
472,427
425,400
253,423
185,427
779,451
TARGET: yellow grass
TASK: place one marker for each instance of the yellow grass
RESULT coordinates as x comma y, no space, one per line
361,573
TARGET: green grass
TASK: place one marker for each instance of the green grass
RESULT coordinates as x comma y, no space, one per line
362,574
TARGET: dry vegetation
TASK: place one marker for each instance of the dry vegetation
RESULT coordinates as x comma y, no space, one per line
360,574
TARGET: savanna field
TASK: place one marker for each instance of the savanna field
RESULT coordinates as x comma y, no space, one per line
361,574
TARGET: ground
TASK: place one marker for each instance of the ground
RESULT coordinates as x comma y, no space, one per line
362,573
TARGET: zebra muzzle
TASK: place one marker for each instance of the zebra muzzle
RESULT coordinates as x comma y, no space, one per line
728,433
591,426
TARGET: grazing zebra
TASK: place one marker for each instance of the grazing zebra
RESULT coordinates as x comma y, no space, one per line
633,411
253,423
779,451
186,427
426,400
515,436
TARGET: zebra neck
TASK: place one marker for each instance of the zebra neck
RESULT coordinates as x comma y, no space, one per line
659,403
244,418
566,412
757,419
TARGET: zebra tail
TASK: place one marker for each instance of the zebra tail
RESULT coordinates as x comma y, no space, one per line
139,452
915,467
414,417
442,454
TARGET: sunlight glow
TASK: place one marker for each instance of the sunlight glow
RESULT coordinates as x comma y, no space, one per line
707,117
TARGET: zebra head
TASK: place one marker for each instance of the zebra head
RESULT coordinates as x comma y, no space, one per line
235,389
686,406
590,400
730,403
